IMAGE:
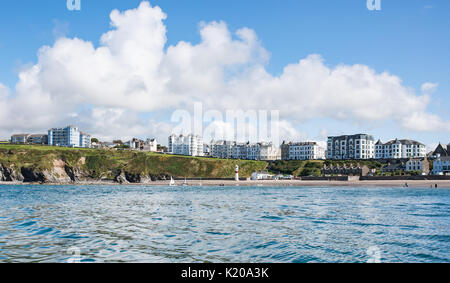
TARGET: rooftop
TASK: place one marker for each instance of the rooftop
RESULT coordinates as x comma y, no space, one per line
407,142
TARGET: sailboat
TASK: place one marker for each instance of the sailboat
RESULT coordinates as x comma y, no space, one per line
172,182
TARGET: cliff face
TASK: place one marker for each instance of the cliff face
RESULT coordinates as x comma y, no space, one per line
64,174
41,164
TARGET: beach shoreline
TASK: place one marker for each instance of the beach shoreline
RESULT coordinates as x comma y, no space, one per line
442,184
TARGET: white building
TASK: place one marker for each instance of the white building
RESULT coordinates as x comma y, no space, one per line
190,145
85,140
69,136
256,176
441,166
268,152
354,147
245,151
302,151
151,145
397,149
222,149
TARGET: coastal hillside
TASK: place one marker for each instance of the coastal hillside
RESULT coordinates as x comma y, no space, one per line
24,163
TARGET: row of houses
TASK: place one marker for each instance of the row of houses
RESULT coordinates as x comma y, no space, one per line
247,151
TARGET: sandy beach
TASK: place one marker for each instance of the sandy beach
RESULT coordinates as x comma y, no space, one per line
442,184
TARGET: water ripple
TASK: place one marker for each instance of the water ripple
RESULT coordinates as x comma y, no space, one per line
149,224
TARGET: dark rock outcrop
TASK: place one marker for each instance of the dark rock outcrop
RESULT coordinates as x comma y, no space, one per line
10,174
32,176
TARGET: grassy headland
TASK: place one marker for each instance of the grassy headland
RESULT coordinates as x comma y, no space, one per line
108,164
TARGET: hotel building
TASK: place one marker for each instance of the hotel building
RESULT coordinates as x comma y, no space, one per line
190,145
397,149
302,151
354,147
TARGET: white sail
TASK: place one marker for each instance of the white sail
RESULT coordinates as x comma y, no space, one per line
172,182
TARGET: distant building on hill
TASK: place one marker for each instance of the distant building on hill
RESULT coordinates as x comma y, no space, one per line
69,136
20,138
190,145
29,138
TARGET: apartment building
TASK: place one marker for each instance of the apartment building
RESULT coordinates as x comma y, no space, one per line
190,145
302,151
350,147
69,136
397,149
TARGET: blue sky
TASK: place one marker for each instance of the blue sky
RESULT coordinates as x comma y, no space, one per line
409,39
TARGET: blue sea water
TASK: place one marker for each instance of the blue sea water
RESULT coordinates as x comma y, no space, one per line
225,224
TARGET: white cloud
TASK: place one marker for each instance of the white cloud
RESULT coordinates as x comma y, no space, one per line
429,87
132,73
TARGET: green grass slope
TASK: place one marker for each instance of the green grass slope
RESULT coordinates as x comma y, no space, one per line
101,163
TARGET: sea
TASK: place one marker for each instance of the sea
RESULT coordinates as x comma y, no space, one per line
223,224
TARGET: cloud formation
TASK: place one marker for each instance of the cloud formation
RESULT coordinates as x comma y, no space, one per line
106,88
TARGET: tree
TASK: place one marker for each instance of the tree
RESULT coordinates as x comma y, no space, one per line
94,140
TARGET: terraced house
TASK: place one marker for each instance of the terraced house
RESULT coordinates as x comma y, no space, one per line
248,151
